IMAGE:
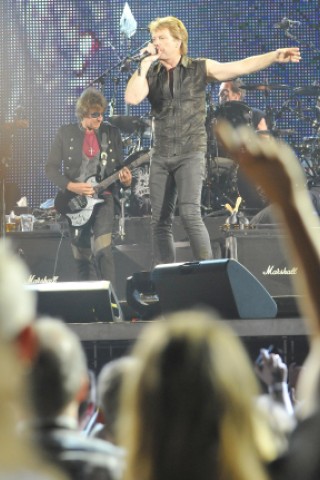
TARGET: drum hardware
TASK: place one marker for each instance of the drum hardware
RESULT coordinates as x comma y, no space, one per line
130,124
309,90
265,87
224,182
122,218
277,132
310,158
235,112
236,219
138,201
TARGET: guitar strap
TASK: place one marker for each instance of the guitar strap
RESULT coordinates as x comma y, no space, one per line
104,146
103,157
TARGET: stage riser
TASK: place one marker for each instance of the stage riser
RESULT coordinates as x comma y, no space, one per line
292,349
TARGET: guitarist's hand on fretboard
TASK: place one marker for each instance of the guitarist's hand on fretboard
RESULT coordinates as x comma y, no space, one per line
81,188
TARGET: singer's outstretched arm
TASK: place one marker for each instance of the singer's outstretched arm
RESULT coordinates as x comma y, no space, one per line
226,71
137,88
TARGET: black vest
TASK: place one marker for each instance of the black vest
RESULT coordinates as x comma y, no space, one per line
179,119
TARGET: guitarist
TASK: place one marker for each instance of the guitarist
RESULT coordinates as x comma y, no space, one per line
80,150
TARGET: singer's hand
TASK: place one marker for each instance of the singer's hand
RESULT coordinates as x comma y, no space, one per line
285,55
150,48
125,176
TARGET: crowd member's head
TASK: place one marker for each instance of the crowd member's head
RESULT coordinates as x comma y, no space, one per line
59,377
231,91
109,387
59,384
176,29
19,458
188,409
17,304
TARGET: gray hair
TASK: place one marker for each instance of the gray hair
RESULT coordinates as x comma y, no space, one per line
60,368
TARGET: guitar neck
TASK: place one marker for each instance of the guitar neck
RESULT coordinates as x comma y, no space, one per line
115,176
107,182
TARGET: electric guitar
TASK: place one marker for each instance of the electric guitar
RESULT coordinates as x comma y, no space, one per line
78,209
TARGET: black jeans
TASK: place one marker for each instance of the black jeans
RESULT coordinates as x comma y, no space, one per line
171,178
92,244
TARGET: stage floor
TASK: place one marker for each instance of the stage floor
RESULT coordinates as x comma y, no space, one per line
130,330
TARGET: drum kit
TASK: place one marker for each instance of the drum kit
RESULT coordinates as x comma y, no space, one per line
137,137
224,182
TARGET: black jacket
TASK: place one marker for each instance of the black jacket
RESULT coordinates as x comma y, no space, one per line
80,457
65,156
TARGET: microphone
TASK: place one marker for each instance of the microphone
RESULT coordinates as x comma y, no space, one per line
141,56
285,24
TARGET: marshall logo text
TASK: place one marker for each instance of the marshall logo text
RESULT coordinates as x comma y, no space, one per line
272,270
35,279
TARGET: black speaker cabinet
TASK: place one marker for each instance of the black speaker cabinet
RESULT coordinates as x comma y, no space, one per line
130,259
262,252
78,302
47,254
223,284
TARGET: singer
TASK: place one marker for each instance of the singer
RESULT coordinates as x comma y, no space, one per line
175,86
90,147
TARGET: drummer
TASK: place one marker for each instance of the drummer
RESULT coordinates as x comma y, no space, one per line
232,91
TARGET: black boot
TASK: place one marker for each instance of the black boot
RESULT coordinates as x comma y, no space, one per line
105,265
86,270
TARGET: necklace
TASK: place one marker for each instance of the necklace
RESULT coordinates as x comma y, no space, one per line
90,144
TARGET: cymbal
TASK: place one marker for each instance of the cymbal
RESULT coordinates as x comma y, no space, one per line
277,132
222,162
283,132
129,124
311,90
265,87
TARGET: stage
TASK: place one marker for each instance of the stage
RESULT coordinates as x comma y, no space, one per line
260,250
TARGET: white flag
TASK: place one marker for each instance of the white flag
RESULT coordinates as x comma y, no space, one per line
128,24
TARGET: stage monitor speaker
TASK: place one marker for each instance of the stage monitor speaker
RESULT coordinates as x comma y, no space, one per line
78,302
223,284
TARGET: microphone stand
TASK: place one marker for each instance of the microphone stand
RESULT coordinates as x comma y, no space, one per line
122,231
113,101
299,42
210,154
123,64
3,166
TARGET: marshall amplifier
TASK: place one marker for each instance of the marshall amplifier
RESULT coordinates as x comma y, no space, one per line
262,251
48,255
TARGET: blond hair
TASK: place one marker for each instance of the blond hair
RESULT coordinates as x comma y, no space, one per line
188,409
176,29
